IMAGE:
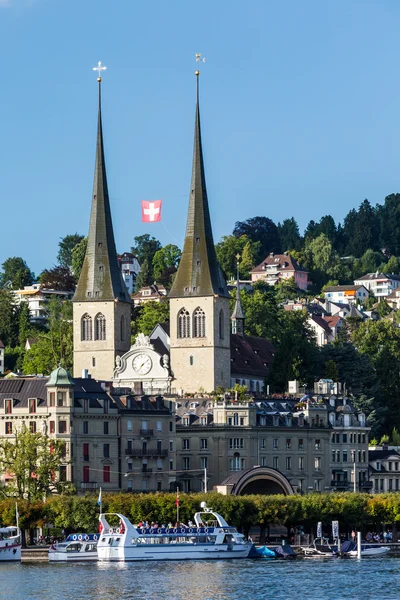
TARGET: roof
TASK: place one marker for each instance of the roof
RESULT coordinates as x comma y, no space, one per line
199,273
321,322
377,275
251,355
382,454
332,320
342,288
101,278
281,260
21,389
60,376
156,291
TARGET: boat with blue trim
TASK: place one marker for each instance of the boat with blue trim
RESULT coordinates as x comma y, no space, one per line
210,538
76,547
10,543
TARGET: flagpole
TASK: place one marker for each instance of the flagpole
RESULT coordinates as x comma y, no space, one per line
177,506
17,515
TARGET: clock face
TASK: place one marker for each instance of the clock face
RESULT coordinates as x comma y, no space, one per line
142,364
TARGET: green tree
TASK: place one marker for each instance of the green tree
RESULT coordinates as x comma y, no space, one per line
395,437
147,315
262,230
16,273
323,261
144,249
34,461
262,311
228,249
9,318
165,263
144,277
78,253
66,246
54,346
58,278
289,235
286,289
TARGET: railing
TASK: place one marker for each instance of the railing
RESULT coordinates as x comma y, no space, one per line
341,484
140,453
146,472
90,485
146,432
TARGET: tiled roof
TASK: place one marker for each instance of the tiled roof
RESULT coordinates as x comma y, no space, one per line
285,261
251,355
332,320
378,276
321,322
342,288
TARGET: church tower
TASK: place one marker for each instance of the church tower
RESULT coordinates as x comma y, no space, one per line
199,298
238,317
101,304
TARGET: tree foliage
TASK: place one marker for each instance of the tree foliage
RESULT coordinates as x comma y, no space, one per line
15,273
147,315
33,460
77,257
58,278
66,246
262,230
165,264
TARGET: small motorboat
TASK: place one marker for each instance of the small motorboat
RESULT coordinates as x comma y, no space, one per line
284,551
10,543
349,548
261,552
320,547
77,547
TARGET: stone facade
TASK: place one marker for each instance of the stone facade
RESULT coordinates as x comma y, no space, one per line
201,363
98,357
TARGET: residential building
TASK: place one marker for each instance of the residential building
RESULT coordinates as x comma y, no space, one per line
384,469
347,294
149,293
349,446
113,441
277,267
294,438
130,268
1,358
199,298
381,285
101,303
394,299
37,298
324,334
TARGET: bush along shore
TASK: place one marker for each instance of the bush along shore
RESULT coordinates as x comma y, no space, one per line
80,513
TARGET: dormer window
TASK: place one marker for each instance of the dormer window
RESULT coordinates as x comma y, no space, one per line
32,405
185,421
378,465
8,406
276,420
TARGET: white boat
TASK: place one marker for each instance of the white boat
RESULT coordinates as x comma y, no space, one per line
349,548
210,538
77,547
320,547
10,543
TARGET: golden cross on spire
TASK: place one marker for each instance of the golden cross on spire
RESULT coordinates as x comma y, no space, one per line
99,69
199,58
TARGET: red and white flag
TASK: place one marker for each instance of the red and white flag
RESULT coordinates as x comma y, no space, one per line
177,498
151,211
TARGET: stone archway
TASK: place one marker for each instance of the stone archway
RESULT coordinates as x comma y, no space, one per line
259,480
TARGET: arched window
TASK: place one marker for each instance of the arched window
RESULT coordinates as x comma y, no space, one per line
221,324
86,328
122,328
236,461
199,323
100,327
183,323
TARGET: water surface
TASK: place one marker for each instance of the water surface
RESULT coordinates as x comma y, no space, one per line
311,579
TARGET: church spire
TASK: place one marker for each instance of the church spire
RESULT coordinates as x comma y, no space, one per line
101,278
238,316
199,273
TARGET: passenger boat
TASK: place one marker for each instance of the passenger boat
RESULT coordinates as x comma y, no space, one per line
77,547
10,543
210,538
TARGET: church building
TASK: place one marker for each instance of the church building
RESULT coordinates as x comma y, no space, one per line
101,304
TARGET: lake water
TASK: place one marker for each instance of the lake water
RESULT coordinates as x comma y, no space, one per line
322,579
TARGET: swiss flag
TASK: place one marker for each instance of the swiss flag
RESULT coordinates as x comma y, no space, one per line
151,211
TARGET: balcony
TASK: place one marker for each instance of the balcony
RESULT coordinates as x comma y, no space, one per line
144,453
147,433
89,485
343,485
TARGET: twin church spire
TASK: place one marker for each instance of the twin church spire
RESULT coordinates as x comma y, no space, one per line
101,278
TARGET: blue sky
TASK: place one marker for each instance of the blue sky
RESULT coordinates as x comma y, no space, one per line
299,103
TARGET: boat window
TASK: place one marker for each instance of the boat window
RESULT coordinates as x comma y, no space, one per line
74,547
91,548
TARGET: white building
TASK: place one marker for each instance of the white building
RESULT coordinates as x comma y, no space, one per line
347,294
37,298
130,269
380,284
